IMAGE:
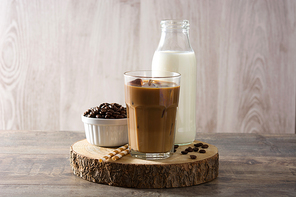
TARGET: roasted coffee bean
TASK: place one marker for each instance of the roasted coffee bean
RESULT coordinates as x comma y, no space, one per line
109,113
110,110
106,110
202,151
205,146
193,156
176,146
195,149
115,108
184,152
175,150
189,149
198,144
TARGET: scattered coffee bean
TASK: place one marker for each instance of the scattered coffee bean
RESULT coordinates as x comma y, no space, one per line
189,149
195,149
175,150
184,152
176,146
193,156
198,144
107,111
202,151
205,146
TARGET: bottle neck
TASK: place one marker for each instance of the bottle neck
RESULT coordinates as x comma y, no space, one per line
174,40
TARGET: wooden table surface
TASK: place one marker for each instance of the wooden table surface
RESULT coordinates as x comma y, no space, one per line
36,163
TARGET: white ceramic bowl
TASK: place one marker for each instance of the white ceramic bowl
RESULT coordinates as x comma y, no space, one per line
105,132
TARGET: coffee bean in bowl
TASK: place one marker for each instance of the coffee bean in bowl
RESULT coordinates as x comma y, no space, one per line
106,125
107,111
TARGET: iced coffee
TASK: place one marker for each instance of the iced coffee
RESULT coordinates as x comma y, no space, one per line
151,112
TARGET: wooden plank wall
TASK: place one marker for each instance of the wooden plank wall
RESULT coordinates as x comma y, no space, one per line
58,58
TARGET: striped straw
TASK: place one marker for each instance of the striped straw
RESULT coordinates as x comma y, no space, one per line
119,155
116,151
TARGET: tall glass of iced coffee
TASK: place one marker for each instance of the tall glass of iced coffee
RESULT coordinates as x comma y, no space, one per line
151,102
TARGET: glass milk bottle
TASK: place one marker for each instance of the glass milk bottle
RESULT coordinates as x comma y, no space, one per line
174,53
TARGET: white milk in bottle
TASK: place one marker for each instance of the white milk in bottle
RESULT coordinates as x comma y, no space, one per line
174,53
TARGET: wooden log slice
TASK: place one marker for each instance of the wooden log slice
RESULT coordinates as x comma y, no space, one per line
176,171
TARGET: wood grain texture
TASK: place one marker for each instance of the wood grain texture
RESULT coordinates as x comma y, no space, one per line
58,58
177,171
34,163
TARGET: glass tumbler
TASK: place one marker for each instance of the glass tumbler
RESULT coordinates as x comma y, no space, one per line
151,100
